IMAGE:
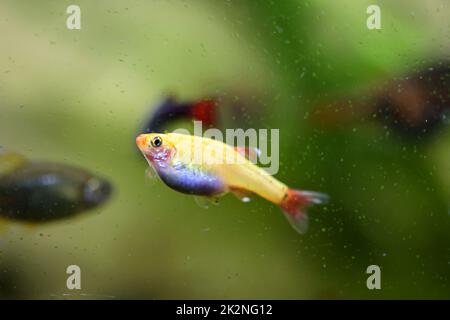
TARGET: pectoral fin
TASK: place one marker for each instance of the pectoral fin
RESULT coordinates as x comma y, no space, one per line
151,177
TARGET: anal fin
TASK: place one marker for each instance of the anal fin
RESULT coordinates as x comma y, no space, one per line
241,194
206,202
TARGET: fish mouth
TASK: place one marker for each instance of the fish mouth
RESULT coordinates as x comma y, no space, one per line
141,141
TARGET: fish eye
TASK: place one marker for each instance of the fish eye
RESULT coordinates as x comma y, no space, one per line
156,142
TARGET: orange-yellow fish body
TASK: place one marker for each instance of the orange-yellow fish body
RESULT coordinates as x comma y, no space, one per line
207,167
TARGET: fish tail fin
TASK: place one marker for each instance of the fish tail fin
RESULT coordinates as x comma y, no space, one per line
205,111
294,207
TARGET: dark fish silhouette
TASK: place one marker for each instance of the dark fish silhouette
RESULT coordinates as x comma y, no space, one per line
414,105
170,109
43,191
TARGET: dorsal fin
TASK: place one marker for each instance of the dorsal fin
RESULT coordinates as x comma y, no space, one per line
10,161
249,153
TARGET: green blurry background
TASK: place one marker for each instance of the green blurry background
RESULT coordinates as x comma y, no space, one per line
79,96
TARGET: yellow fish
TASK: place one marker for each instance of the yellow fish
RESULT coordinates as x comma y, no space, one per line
206,167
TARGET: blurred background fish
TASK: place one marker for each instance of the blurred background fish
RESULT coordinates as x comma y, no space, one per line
32,191
169,110
415,105
234,108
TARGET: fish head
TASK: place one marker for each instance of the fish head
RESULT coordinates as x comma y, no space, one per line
96,191
157,148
